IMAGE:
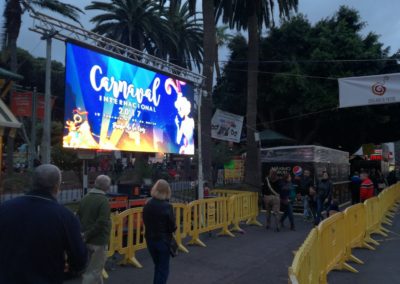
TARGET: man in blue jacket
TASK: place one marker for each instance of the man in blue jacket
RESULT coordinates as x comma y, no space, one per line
38,235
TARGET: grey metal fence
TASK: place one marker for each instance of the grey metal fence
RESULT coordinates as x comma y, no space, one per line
183,191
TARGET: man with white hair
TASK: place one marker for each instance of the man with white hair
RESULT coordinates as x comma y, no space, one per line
38,235
94,213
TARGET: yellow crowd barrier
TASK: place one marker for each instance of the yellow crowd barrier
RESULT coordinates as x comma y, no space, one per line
200,216
330,246
243,207
373,220
130,235
207,215
355,222
181,220
332,239
306,261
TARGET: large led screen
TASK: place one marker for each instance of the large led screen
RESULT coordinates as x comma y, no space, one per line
114,105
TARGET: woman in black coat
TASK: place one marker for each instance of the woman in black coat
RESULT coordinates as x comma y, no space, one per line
159,221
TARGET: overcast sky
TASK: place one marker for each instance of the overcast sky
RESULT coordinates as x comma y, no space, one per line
382,19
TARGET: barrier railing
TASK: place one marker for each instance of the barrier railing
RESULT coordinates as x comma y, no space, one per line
207,215
355,220
200,216
373,220
130,235
181,220
330,246
332,242
306,261
243,206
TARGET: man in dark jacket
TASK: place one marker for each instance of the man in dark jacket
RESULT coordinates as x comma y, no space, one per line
37,234
94,213
306,184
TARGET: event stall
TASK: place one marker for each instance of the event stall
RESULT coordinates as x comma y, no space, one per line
316,159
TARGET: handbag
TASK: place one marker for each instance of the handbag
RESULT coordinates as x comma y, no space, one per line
173,247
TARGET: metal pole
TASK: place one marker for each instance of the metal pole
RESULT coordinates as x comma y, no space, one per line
45,151
32,146
200,194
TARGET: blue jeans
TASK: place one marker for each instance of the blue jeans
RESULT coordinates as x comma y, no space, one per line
288,212
321,206
159,251
306,203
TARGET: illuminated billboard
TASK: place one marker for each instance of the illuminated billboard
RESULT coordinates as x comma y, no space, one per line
111,104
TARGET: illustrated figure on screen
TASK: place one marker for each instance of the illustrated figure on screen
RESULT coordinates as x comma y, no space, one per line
79,132
185,125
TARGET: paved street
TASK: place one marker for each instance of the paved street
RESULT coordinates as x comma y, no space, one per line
258,256
261,256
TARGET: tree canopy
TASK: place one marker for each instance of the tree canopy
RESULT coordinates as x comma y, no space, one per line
298,89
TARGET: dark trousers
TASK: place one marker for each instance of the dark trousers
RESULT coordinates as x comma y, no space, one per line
159,251
287,212
321,206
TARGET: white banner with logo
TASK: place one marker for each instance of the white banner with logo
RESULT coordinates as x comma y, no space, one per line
369,90
226,126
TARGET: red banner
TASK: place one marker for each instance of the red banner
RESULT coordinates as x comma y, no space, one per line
21,104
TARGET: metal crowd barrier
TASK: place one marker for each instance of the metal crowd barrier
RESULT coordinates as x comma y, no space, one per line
330,246
207,215
193,219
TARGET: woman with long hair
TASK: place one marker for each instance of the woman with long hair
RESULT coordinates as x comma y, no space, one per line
159,221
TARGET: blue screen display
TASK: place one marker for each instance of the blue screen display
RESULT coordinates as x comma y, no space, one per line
114,105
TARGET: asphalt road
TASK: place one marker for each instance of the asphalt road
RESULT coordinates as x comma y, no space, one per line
258,256
261,256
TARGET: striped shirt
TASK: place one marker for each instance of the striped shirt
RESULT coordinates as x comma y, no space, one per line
366,189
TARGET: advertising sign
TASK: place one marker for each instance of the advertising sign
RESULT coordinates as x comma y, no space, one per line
369,90
111,104
21,104
226,126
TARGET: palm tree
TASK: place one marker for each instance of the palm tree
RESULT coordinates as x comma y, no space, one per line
12,21
140,24
208,7
252,15
186,48
222,38
12,14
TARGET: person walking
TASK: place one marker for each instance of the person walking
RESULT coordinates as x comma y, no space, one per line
324,196
271,189
94,214
306,184
38,235
355,188
287,196
367,187
159,222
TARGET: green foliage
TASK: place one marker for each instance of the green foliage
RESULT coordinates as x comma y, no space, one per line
299,64
172,32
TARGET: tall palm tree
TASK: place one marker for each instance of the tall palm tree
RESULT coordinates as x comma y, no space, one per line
187,47
140,24
253,15
222,38
12,14
208,8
